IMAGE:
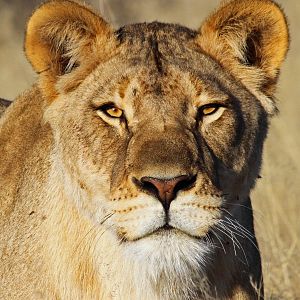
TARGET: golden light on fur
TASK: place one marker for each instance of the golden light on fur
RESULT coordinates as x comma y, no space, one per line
155,206
59,35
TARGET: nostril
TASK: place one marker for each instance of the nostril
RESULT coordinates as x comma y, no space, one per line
148,186
186,183
145,186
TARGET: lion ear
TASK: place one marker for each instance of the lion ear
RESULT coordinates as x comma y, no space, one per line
250,38
61,36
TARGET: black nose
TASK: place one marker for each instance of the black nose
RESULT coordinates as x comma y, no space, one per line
165,189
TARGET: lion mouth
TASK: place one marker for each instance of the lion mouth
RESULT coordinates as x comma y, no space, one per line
158,232
165,231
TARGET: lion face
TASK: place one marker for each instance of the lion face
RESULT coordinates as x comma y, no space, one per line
143,144
158,144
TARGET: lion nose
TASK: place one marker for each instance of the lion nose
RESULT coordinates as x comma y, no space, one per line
165,189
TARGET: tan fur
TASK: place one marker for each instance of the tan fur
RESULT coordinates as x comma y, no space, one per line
76,219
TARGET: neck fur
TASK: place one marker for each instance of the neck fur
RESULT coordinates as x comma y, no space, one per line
154,268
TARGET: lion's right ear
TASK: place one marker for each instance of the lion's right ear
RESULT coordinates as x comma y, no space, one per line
63,36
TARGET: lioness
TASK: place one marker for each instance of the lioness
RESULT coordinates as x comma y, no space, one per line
126,169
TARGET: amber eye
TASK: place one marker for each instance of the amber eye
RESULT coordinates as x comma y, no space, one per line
112,111
209,109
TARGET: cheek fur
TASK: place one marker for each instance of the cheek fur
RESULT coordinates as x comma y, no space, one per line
225,138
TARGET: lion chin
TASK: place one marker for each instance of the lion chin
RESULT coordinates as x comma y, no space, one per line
168,246
165,264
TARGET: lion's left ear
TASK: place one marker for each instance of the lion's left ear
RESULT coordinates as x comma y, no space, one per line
251,39
63,36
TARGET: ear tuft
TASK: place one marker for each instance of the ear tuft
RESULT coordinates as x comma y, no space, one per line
61,36
250,38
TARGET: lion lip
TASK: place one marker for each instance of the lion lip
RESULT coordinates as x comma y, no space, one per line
163,229
167,229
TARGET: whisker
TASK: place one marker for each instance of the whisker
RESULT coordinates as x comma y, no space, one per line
208,241
219,239
223,230
241,247
225,210
101,234
234,229
232,237
94,227
235,222
244,232
233,234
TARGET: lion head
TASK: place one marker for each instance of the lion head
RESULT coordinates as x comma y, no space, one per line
158,133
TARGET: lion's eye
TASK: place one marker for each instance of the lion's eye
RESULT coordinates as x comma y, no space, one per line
209,113
112,111
209,109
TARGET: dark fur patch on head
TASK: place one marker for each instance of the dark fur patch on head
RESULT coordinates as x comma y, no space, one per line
144,31
156,54
151,38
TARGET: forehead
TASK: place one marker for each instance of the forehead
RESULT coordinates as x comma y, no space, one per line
155,45
161,60
149,32
157,51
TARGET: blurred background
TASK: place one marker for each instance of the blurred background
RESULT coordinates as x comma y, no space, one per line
275,198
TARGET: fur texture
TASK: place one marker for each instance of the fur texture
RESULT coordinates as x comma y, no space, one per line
112,108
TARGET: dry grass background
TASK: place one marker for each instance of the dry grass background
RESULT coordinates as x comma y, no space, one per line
275,198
